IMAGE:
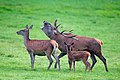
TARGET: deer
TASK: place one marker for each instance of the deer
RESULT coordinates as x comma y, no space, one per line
39,47
77,56
81,43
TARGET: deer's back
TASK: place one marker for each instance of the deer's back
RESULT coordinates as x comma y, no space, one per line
39,45
78,55
86,43
83,43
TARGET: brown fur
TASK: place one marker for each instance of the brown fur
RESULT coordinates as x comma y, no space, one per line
81,43
39,47
74,56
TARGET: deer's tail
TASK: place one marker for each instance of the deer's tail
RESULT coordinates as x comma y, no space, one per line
100,42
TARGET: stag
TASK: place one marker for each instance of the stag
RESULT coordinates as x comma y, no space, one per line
39,47
81,43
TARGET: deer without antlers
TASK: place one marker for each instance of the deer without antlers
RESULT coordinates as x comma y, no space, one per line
39,47
77,56
82,43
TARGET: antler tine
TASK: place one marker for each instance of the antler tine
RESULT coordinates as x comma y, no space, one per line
71,31
55,22
58,25
63,31
73,37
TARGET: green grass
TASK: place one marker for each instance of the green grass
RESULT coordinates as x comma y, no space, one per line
94,18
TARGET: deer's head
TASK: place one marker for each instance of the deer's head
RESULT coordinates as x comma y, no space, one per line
69,46
48,29
24,31
51,31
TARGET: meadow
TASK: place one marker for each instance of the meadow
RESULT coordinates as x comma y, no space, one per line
94,18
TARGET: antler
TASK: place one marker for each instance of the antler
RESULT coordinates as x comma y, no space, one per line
58,25
69,32
55,24
73,36
63,31
66,35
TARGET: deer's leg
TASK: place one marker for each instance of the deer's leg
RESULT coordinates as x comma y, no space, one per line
57,60
74,65
100,56
84,61
88,65
60,56
93,60
70,64
32,56
50,60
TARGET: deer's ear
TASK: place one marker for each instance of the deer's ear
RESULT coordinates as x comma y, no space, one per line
72,44
27,26
31,27
65,43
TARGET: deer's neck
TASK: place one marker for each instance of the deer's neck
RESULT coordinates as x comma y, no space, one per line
58,38
68,51
26,38
69,54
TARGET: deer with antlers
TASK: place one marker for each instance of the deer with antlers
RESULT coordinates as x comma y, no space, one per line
39,47
81,43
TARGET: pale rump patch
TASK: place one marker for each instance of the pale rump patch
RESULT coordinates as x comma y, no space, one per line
54,43
99,41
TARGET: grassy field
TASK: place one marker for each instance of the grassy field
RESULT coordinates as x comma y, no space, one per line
94,18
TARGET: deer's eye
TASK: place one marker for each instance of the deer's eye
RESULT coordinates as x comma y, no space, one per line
45,23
